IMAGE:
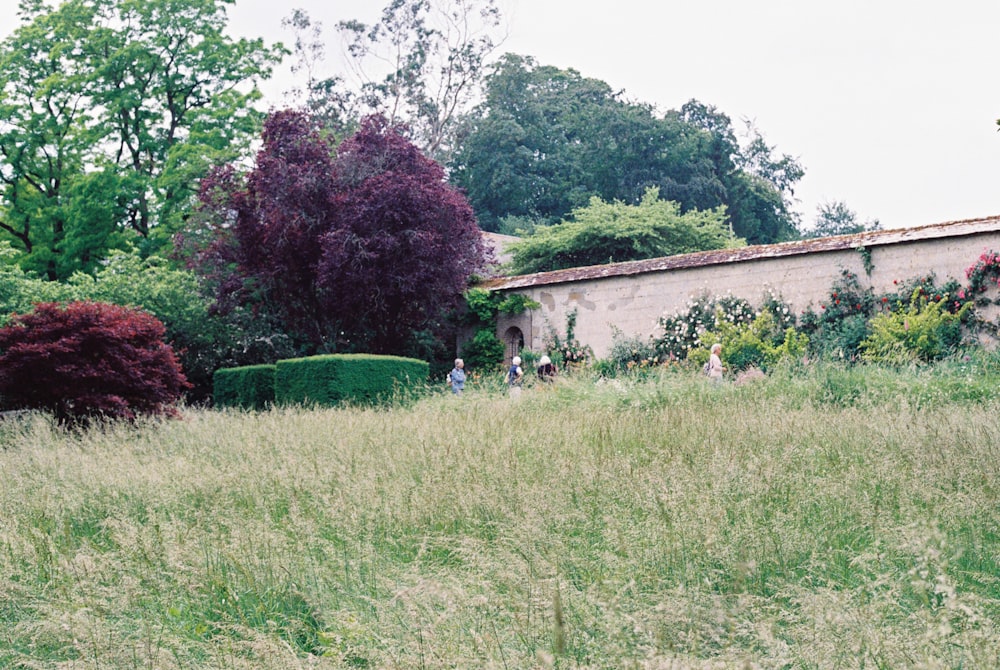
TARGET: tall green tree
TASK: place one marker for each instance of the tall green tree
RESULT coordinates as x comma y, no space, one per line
604,232
545,140
45,132
110,111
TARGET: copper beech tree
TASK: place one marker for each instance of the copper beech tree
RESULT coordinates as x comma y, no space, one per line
88,360
357,247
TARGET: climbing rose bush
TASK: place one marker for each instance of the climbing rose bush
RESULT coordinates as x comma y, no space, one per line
88,360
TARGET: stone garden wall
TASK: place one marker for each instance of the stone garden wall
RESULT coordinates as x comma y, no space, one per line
632,296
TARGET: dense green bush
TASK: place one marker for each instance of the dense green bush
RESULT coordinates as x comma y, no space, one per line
356,378
924,331
484,352
247,387
761,343
841,324
628,354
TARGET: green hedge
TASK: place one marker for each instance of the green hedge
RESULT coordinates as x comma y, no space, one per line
335,378
249,387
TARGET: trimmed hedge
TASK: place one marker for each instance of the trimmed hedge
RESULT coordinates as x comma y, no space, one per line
334,378
249,387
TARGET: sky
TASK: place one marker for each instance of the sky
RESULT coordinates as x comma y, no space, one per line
890,106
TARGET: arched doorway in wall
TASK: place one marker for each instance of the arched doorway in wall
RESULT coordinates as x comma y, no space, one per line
513,341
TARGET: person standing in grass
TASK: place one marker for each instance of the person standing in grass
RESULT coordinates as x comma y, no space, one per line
515,377
715,367
457,377
546,370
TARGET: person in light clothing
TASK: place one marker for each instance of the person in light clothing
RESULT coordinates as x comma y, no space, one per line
715,367
457,377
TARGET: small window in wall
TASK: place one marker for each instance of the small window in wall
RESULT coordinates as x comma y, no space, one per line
513,341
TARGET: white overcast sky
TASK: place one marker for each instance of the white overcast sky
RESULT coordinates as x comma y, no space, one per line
889,105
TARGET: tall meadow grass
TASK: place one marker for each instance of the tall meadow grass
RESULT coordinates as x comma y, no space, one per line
839,517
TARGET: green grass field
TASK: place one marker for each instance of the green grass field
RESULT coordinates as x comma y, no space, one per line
833,518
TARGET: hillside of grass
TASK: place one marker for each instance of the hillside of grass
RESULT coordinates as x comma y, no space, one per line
822,518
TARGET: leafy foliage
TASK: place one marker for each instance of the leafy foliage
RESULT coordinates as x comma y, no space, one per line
545,140
842,322
88,360
628,354
356,249
613,232
761,343
112,110
683,330
202,340
485,351
924,331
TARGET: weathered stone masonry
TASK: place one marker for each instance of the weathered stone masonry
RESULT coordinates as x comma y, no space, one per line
632,296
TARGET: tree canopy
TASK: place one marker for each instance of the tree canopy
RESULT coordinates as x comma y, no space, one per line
606,232
545,140
111,111
359,247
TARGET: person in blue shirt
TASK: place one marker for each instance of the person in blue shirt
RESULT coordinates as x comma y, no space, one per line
515,376
457,377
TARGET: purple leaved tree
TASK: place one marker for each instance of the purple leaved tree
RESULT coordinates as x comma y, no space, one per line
356,248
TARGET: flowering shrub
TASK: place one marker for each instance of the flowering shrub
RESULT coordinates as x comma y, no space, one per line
682,330
983,276
569,352
924,287
985,273
841,322
925,331
759,344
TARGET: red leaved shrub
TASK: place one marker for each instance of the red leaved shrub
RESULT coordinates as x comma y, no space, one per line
88,360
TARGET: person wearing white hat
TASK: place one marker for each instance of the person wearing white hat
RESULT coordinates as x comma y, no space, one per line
546,370
515,376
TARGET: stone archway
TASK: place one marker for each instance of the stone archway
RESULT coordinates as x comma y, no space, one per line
513,342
